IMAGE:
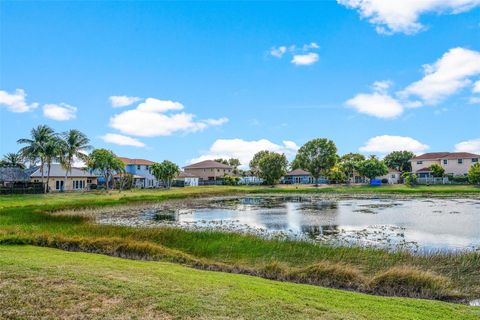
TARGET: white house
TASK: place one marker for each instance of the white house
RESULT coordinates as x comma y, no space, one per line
189,179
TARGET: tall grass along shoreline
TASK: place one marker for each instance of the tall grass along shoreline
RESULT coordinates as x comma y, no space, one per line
26,220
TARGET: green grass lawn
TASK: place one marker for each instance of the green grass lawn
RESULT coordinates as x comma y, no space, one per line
26,219
48,283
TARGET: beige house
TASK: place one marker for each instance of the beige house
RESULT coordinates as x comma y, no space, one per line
78,179
454,163
393,176
208,170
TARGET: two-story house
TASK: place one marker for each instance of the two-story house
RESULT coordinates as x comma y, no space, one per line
454,163
209,170
141,171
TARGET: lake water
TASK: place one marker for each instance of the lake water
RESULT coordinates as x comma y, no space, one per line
416,224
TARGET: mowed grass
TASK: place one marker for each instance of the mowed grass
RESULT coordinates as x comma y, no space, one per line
26,220
49,283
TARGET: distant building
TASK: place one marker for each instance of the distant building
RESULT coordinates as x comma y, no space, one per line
141,171
392,177
454,163
188,179
209,170
300,176
78,179
10,175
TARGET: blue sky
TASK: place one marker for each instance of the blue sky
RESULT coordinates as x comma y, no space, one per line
227,79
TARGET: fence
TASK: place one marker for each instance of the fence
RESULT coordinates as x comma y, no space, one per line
432,180
22,188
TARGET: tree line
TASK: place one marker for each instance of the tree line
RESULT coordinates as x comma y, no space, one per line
318,156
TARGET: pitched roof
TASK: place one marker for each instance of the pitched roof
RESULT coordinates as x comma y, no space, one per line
12,174
445,155
56,170
208,164
136,161
184,174
298,172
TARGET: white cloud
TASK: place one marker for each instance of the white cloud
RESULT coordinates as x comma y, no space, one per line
476,87
123,101
122,140
59,112
382,86
278,52
149,119
472,146
385,144
448,75
311,45
15,102
402,16
305,59
245,150
377,104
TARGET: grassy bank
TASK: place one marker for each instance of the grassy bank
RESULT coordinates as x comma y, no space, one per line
25,220
48,283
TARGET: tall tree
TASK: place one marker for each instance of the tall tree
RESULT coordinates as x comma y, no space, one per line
399,160
256,159
317,156
165,171
12,160
34,150
52,152
74,144
350,163
271,167
372,168
106,163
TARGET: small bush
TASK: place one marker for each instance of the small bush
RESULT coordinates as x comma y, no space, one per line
272,271
329,275
410,282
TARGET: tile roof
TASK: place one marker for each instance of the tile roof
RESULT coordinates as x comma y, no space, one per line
298,172
208,164
57,170
445,155
425,169
10,174
136,161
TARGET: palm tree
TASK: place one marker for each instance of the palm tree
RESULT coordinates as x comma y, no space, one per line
52,151
12,160
74,143
35,145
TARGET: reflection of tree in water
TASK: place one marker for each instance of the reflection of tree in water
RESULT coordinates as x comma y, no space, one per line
276,226
320,206
314,232
165,217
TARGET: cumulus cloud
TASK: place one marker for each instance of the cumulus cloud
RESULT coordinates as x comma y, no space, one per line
16,101
151,119
401,16
472,146
301,56
378,104
448,75
456,69
59,112
244,150
385,144
305,59
123,101
122,140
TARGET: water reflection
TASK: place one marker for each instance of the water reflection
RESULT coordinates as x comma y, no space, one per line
415,224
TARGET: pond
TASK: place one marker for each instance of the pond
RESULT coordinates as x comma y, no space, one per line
416,224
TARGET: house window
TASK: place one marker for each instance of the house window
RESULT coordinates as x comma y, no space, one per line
89,180
474,159
419,162
445,161
138,167
146,167
460,161
393,176
59,185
